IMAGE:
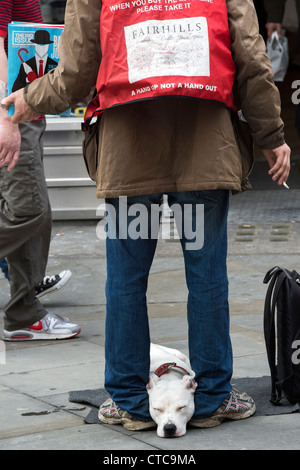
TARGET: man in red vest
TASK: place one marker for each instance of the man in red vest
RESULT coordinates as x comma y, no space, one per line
169,82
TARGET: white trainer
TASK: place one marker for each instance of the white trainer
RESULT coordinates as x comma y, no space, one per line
52,326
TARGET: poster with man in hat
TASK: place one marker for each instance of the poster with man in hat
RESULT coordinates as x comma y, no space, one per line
32,52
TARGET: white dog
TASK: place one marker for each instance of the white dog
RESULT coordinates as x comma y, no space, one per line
171,390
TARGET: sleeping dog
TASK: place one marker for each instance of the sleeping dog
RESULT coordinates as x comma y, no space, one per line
171,390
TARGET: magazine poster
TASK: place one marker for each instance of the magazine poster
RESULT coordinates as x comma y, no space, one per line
32,52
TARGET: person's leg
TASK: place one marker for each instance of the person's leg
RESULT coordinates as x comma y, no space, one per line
4,267
127,342
206,276
25,228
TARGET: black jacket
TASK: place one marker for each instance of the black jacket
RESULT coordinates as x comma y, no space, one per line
275,10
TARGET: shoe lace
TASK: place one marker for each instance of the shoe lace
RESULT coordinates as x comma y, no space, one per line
48,280
112,410
54,318
232,401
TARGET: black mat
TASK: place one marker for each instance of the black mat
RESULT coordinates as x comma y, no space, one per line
93,398
258,388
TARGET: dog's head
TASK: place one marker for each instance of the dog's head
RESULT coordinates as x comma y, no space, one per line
171,404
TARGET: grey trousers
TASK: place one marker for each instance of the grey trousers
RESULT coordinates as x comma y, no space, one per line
25,228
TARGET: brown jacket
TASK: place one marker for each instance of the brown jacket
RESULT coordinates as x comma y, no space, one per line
170,144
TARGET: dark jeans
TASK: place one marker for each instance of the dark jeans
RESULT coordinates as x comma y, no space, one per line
129,260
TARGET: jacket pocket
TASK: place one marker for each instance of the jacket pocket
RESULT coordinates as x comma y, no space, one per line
24,189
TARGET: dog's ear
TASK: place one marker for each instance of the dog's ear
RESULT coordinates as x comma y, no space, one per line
153,379
190,382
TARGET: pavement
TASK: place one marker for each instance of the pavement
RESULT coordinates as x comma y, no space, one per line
36,377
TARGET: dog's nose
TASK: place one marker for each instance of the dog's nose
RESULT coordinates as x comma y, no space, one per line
169,429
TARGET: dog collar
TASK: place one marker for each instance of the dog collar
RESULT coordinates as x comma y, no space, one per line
164,368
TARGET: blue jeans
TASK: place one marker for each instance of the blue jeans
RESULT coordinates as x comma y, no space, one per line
127,330
4,267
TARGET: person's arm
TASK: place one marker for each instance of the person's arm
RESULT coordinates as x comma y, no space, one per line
275,11
76,74
10,139
257,93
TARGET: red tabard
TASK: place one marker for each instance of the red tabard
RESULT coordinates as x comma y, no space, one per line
156,48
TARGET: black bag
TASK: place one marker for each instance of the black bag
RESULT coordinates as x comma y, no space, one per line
90,144
282,333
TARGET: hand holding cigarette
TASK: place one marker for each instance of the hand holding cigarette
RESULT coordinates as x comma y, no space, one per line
279,162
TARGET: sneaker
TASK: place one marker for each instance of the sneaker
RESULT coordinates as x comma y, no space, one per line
50,327
52,283
236,406
110,413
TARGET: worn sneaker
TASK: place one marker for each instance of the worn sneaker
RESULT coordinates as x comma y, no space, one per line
111,413
50,327
236,406
52,283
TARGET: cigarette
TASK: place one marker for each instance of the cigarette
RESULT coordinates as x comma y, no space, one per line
285,185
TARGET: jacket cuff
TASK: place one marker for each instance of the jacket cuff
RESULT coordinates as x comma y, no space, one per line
272,141
26,89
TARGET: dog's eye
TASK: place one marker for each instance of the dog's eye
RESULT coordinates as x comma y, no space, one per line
159,410
181,408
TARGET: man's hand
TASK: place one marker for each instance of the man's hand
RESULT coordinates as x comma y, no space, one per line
10,142
271,27
23,112
279,162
